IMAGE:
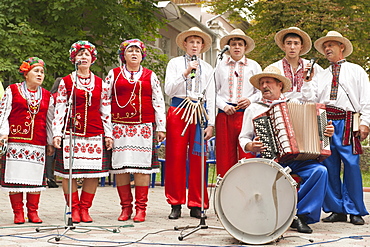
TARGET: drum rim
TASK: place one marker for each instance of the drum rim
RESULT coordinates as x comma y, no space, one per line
262,239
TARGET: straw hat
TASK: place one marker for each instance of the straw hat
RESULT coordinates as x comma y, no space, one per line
238,33
207,40
307,43
274,72
334,36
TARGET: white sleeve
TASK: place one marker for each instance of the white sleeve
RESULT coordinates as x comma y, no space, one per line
158,103
49,120
247,133
5,109
174,81
60,110
105,107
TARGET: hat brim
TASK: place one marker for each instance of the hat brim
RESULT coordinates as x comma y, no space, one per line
348,48
254,80
307,43
248,41
207,40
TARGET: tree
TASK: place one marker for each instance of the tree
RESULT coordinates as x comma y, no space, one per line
316,17
47,29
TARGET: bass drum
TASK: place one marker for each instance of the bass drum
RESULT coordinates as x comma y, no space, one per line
256,200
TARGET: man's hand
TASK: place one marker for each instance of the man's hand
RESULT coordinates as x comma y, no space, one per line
208,133
329,130
308,66
255,146
363,132
243,103
229,110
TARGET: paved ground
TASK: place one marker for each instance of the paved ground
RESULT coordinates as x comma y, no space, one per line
157,230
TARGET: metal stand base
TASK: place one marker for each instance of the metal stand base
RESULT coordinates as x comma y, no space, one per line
202,225
70,227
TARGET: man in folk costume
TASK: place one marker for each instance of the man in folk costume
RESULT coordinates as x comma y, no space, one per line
234,95
184,89
312,189
295,43
24,113
344,88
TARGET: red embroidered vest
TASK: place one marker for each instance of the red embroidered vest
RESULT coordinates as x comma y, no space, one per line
87,118
135,99
26,127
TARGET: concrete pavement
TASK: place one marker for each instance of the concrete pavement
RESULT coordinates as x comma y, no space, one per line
157,230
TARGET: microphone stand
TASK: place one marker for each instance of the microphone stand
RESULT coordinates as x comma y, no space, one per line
199,103
70,119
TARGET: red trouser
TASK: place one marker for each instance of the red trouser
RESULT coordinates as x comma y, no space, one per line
176,155
228,150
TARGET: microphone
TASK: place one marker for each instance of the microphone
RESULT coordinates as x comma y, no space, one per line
78,62
226,48
312,62
193,71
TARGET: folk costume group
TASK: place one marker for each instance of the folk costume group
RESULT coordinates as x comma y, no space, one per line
116,124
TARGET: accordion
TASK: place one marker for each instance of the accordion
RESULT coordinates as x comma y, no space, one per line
293,131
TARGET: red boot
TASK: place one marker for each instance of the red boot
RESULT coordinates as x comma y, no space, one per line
32,206
125,195
85,203
141,198
17,204
76,218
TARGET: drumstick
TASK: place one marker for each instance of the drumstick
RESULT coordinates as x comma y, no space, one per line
180,106
185,110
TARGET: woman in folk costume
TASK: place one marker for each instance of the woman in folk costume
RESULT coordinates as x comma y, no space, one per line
24,111
139,121
91,130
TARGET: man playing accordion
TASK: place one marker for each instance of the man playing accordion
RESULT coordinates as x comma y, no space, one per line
313,174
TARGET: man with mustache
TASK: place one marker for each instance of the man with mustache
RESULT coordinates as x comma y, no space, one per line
344,88
313,174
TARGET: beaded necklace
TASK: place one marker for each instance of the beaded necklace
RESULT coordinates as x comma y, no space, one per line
131,81
33,98
85,84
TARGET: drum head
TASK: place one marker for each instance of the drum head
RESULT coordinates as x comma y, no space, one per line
256,201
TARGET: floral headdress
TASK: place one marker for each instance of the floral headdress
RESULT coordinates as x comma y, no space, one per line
128,43
82,44
29,64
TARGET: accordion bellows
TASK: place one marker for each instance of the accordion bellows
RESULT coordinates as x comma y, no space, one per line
293,131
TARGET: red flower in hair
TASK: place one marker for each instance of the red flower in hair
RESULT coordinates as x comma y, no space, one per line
25,67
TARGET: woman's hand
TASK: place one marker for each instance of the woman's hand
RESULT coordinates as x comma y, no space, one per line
108,143
57,141
2,138
50,150
160,136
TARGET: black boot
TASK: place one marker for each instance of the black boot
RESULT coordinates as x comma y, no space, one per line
302,225
336,217
175,212
196,212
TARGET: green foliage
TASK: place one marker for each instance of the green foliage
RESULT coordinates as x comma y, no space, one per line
47,29
316,17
